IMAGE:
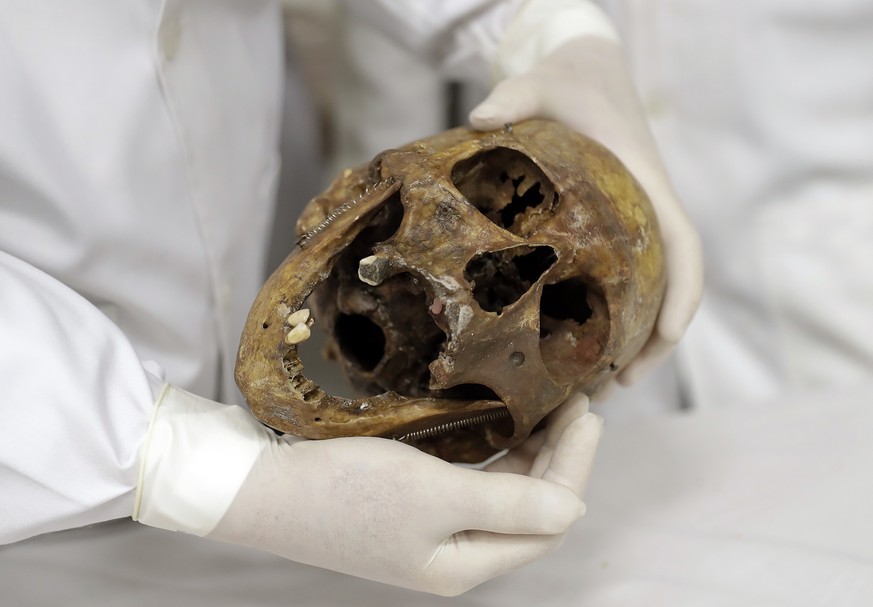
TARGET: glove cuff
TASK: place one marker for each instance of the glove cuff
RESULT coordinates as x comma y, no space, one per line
541,26
196,456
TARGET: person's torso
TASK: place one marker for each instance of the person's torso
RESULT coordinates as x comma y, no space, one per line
138,165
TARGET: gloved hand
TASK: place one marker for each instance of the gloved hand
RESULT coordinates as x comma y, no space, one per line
561,60
369,507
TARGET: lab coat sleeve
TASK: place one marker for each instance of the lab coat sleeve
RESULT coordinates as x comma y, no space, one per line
474,38
75,406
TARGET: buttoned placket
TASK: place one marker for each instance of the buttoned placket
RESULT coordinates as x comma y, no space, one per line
170,55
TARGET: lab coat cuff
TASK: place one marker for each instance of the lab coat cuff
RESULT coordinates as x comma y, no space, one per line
541,26
195,458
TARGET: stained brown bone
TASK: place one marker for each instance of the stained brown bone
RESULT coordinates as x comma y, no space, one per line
594,219
270,373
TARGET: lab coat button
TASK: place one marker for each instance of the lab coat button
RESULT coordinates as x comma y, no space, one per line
169,36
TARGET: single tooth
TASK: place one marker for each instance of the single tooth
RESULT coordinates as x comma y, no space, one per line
299,317
366,261
298,334
373,269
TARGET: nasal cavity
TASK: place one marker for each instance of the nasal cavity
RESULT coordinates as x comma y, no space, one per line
500,278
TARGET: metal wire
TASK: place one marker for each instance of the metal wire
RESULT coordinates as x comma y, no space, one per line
343,208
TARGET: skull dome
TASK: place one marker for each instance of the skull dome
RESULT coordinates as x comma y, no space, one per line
469,283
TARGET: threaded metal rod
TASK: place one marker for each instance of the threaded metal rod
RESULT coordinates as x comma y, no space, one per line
458,424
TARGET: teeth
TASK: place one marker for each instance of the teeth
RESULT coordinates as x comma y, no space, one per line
373,269
300,322
298,334
298,317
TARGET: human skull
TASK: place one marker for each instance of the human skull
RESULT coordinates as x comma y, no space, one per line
469,283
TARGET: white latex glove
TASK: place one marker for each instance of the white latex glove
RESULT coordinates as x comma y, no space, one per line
369,507
561,60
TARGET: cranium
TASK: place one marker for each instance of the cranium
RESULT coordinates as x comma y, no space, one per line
469,283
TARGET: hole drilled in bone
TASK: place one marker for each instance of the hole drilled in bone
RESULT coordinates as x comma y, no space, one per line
360,339
500,278
507,187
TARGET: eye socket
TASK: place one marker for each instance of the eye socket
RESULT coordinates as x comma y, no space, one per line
507,187
500,278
